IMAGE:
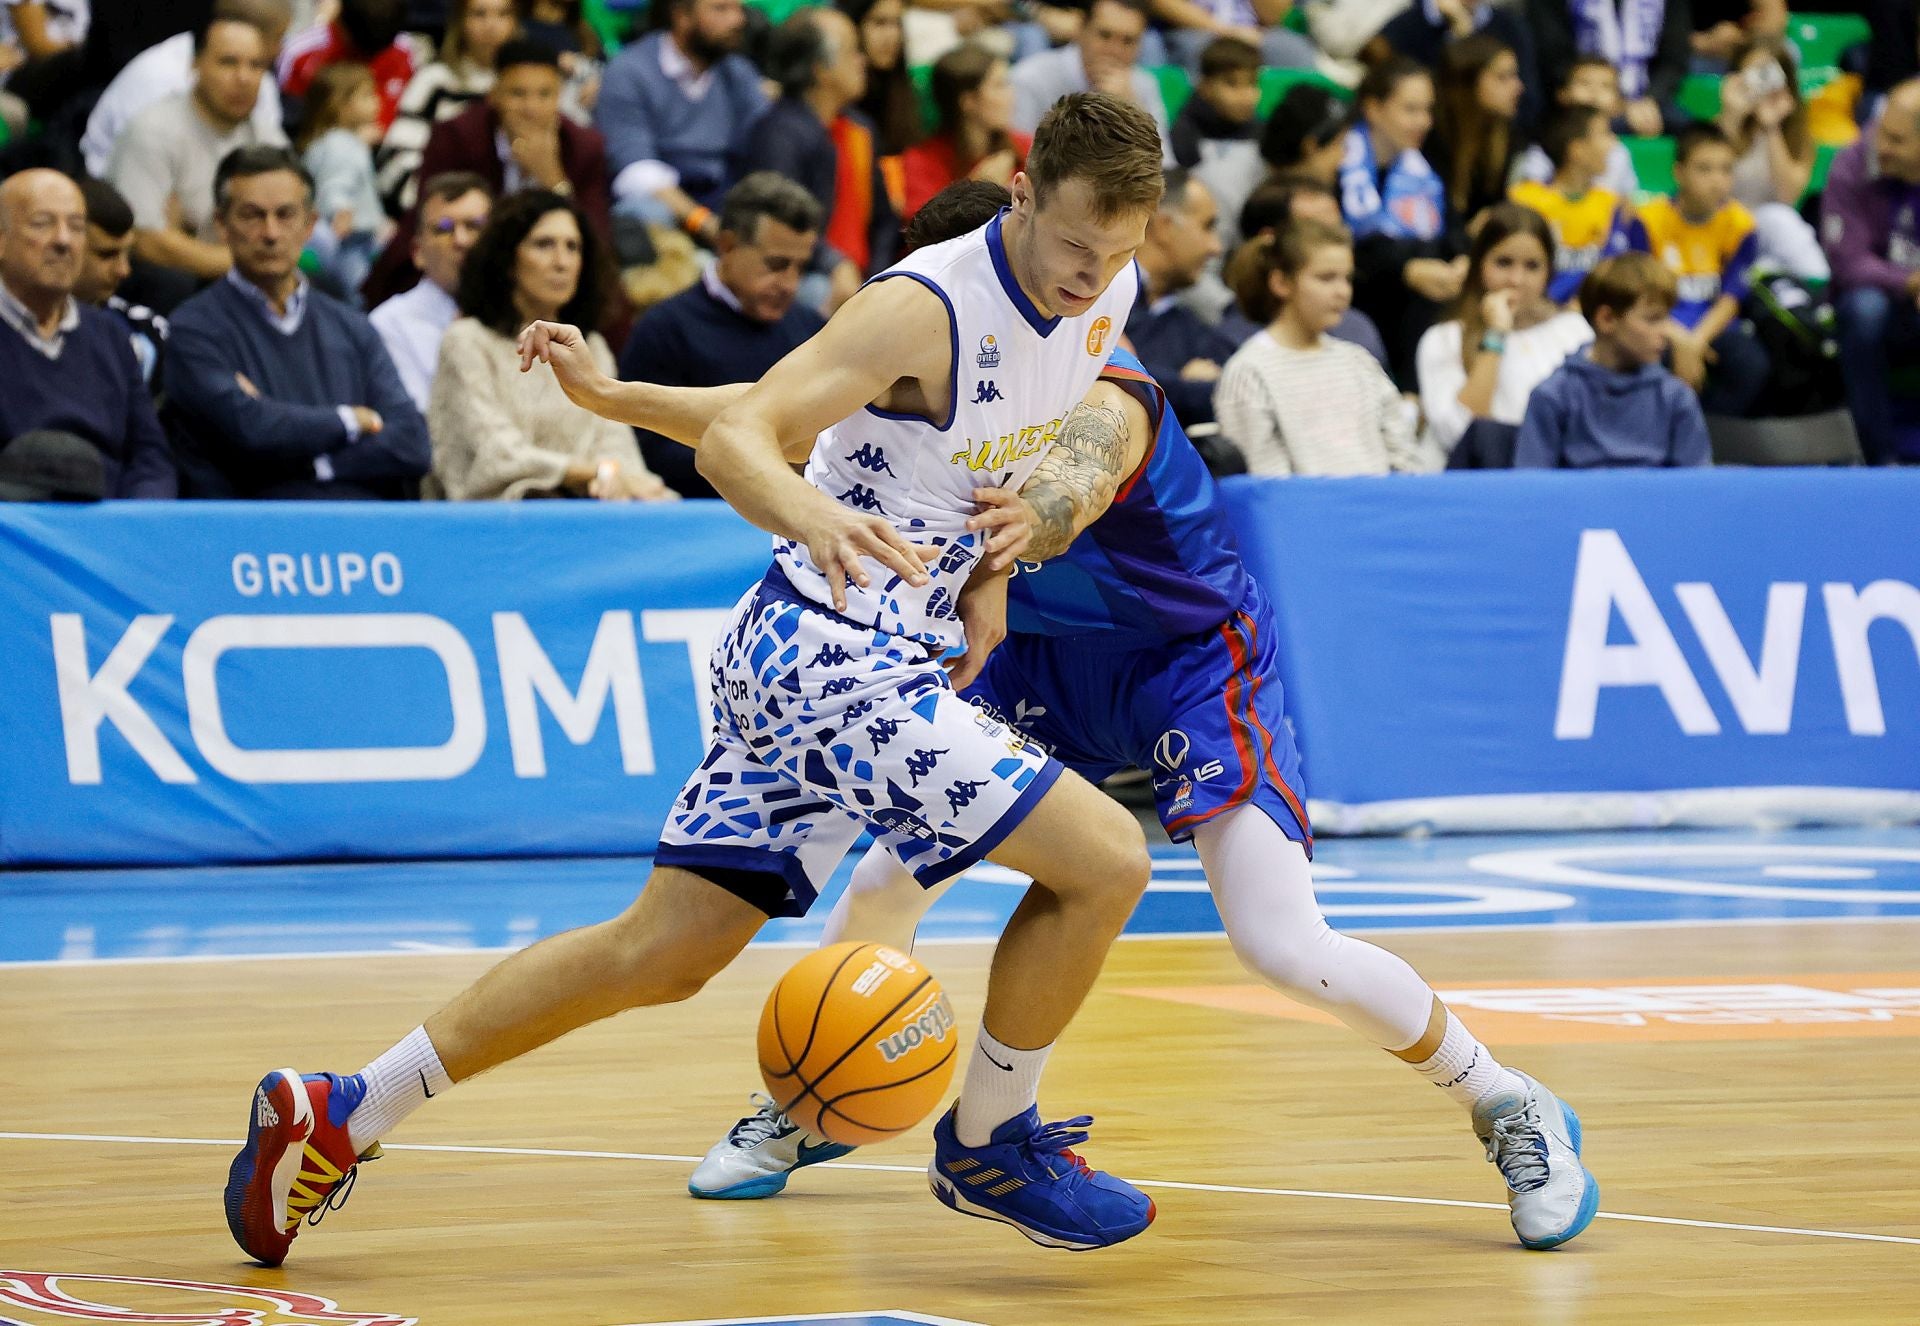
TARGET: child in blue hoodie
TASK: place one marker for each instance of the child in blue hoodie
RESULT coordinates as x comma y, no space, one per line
1613,405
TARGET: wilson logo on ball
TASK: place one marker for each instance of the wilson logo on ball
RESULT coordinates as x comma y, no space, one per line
932,1025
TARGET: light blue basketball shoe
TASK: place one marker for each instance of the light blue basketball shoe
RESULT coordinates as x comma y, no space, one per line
1533,1137
756,1156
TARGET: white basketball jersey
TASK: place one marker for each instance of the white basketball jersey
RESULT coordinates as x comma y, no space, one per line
1016,376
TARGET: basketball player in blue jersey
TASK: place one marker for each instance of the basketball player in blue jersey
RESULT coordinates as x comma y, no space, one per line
936,392
1153,603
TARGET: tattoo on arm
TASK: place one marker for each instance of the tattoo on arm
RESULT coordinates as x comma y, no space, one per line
1077,480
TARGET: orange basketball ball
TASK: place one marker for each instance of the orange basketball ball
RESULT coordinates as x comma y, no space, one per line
857,1043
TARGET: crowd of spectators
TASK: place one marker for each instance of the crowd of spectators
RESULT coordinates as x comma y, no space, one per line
280,248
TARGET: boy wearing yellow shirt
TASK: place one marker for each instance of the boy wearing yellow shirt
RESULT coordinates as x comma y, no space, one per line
1708,242
1588,223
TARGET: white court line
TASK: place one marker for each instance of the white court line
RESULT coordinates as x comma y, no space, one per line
985,937
660,1157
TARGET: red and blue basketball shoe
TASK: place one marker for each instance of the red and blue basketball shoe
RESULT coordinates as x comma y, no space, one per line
298,1162
1028,1177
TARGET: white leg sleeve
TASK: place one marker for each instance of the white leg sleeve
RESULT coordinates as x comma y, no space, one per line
883,904
1264,891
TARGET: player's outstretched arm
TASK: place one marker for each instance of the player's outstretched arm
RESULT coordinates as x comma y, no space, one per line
1101,443
682,414
892,332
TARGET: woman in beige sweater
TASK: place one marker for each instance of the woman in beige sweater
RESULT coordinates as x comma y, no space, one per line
501,434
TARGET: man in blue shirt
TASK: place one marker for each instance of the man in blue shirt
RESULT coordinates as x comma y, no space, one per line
738,320
276,389
68,368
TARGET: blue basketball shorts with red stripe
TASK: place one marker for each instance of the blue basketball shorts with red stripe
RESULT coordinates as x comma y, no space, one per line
1205,714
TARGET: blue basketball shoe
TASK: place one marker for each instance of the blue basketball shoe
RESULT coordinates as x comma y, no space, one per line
1028,1177
1533,1137
757,1154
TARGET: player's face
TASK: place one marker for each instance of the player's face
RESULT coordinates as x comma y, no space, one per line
105,264
1072,253
1321,292
1517,263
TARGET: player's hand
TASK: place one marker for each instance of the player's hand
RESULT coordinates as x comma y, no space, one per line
839,538
565,349
983,614
1006,514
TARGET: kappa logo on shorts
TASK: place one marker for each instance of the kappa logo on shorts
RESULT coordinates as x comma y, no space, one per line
70,1298
1170,752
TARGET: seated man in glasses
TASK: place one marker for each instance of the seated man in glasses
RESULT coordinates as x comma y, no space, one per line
453,211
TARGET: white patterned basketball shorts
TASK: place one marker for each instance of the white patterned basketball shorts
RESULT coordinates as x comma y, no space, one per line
828,727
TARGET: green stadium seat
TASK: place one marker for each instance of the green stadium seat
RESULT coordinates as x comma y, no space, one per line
1823,38
1823,156
779,11
610,27
1275,82
1652,163
922,76
1700,95
1175,87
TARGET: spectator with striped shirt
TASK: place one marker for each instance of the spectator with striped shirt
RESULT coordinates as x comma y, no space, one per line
1293,399
463,75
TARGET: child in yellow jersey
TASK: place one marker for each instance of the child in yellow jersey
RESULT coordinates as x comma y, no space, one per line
1588,223
1708,242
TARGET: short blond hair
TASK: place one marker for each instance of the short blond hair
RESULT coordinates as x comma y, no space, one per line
1111,144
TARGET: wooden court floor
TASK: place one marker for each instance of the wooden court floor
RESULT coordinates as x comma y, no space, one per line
550,1192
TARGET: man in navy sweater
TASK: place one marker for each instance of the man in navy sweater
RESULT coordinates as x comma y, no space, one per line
738,320
68,367
275,389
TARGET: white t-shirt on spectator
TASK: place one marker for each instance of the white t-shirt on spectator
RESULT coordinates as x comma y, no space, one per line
159,71
170,152
1329,410
1531,357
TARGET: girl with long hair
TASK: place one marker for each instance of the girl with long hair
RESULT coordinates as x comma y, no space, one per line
973,91
476,30
890,102
1762,112
1474,142
1505,336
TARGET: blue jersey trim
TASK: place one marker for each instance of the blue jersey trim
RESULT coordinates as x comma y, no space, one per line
997,250
953,356
973,853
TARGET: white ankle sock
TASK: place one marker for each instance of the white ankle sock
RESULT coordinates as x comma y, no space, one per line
398,1083
1465,1069
1001,1082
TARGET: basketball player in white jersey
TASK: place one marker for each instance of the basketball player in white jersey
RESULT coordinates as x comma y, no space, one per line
934,394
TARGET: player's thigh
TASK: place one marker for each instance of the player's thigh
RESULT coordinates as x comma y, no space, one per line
682,929
1078,840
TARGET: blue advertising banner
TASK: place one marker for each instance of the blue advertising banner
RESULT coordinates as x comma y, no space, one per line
219,682
1513,650
256,682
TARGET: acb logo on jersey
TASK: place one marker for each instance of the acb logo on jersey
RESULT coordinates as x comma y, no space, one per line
1097,336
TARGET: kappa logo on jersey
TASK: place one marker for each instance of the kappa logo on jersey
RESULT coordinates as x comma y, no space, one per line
993,453
832,656
882,730
985,392
989,356
70,1298
962,794
1170,752
921,763
839,686
1097,336
863,497
870,457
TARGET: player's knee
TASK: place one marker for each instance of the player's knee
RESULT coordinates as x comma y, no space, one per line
1120,870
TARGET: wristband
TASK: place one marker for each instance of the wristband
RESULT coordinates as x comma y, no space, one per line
1493,342
697,220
